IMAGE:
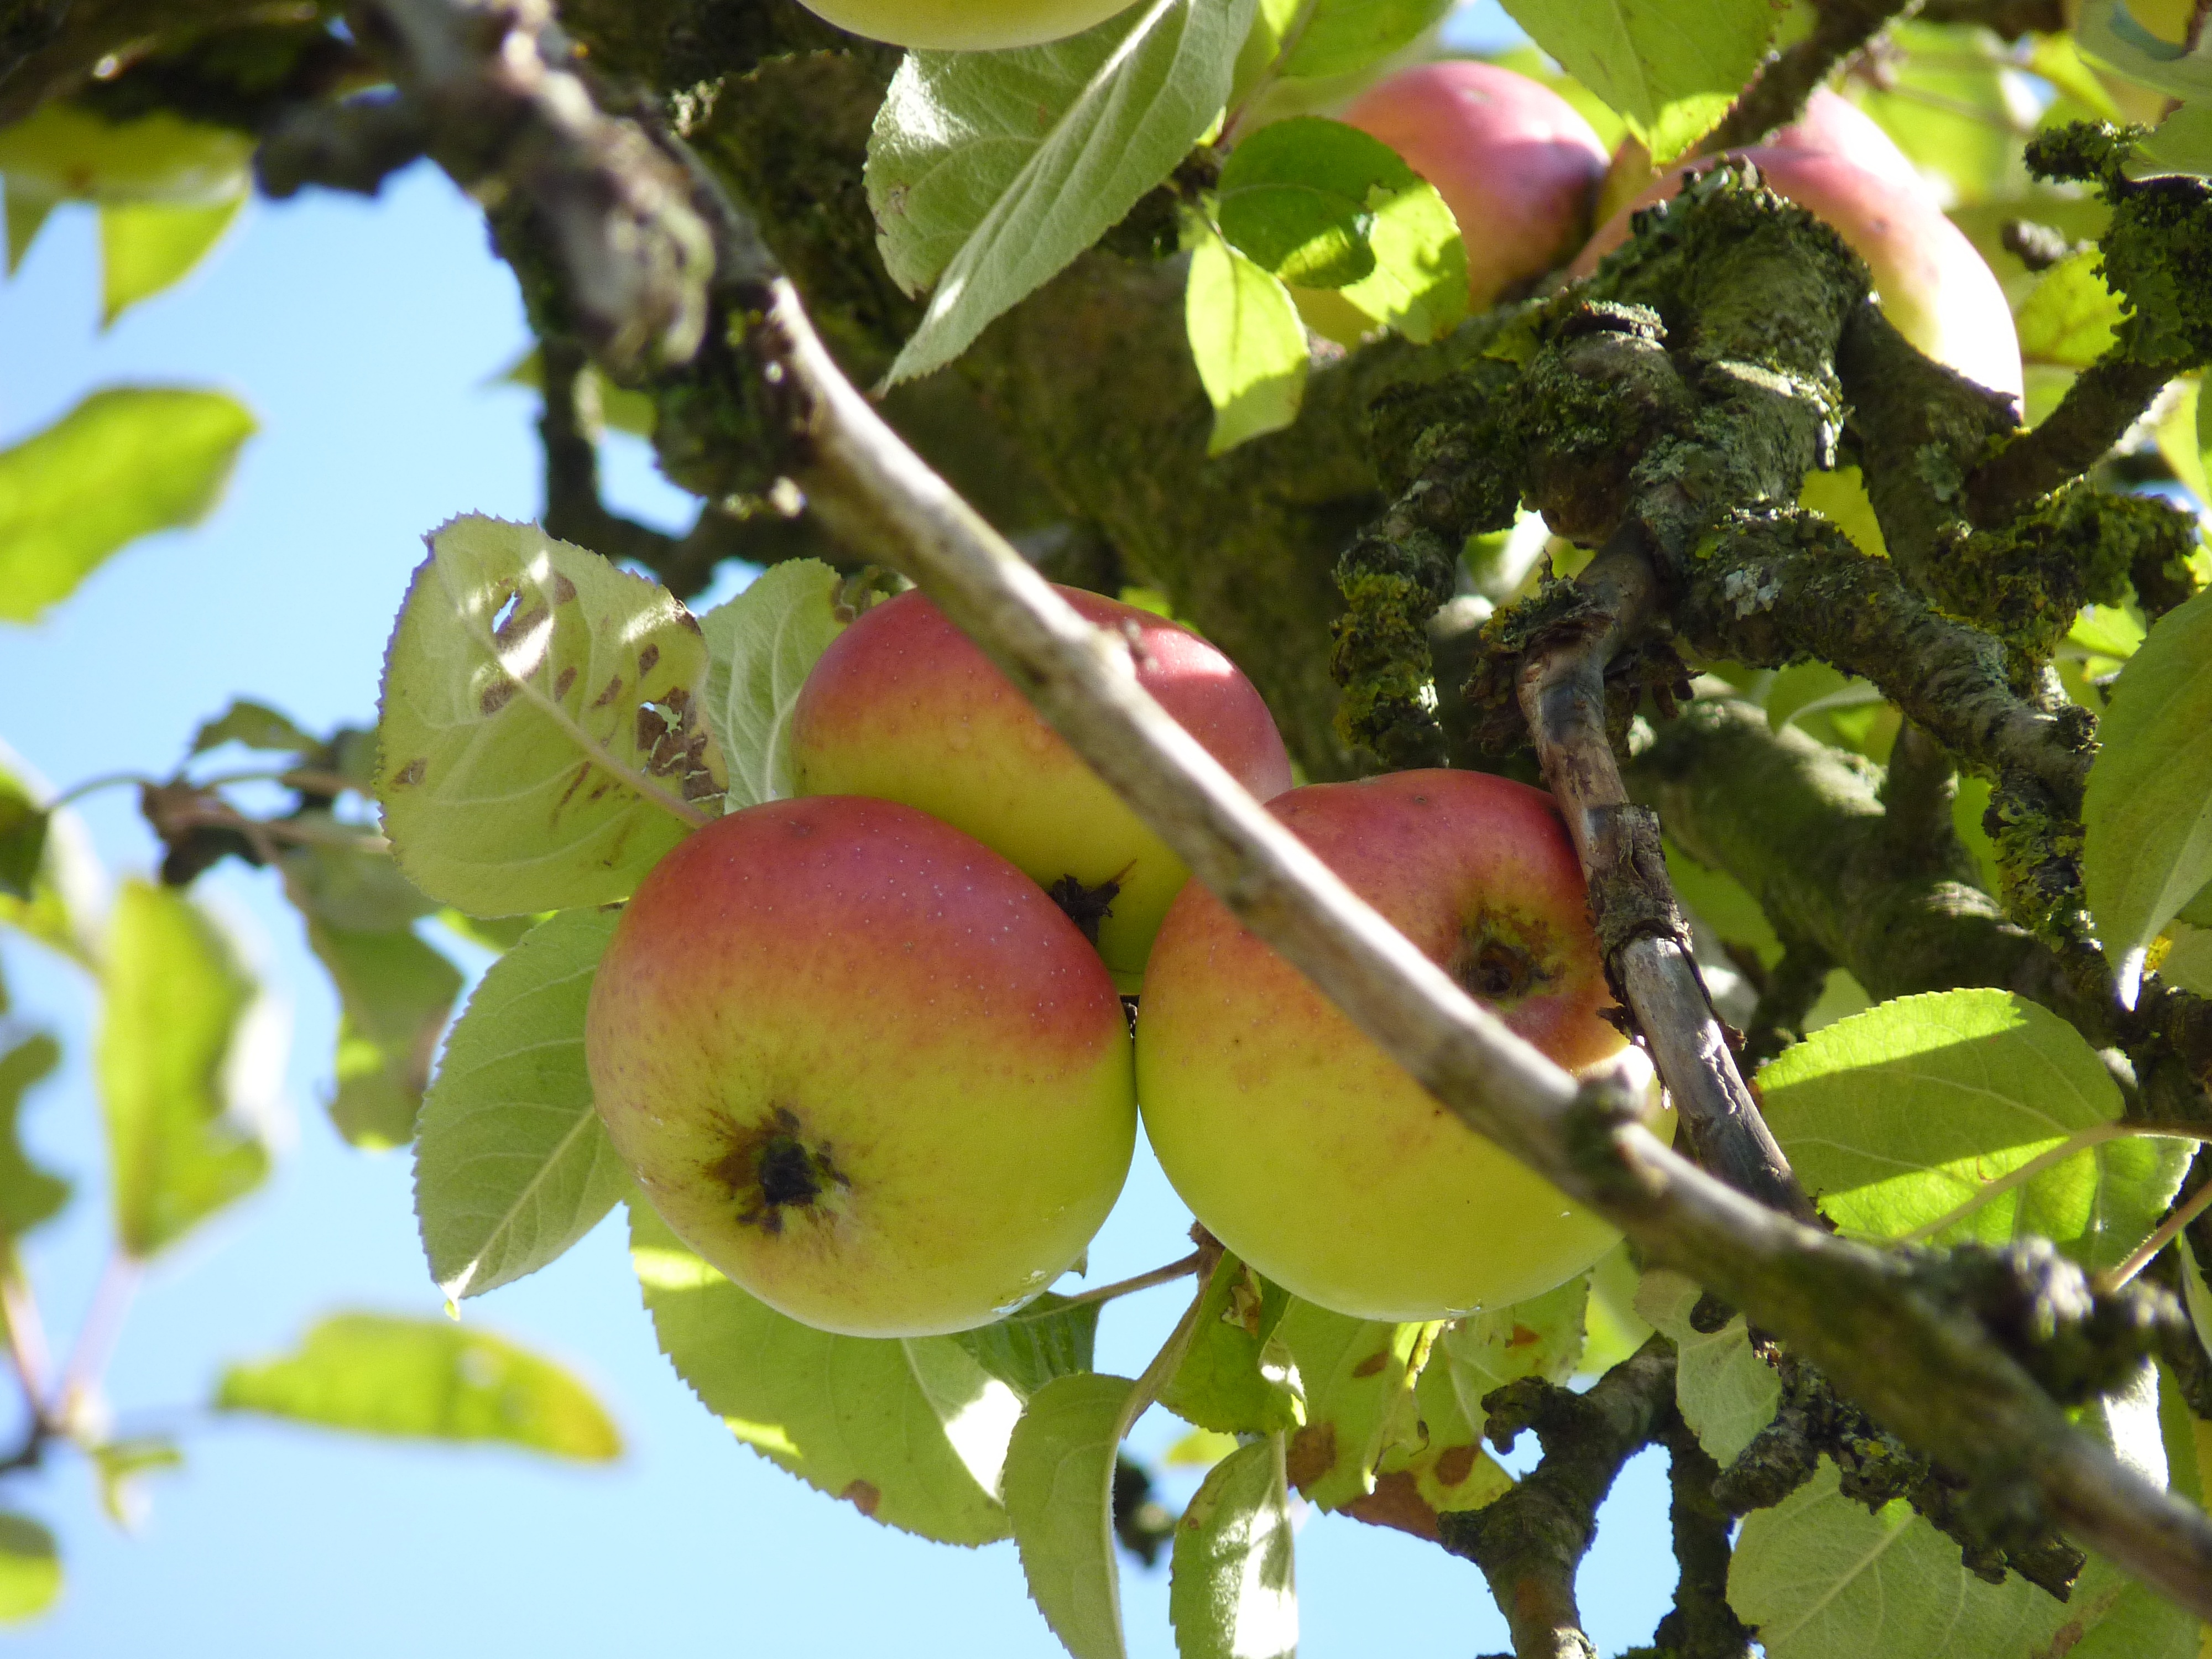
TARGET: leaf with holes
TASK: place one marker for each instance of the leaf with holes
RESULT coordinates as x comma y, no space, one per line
1232,1587
124,462
1897,1117
1671,68
543,741
424,1379
912,1432
760,647
1237,1376
2148,810
513,1166
1059,1498
1727,1393
989,172
1358,1376
175,1044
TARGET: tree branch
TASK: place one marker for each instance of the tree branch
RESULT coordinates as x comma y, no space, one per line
1777,97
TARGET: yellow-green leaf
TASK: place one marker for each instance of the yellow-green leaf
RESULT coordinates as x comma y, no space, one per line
30,1569
146,246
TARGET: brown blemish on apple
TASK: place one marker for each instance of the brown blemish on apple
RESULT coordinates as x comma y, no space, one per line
863,1496
1454,1465
1504,959
774,1170
1372,1364
1310,1454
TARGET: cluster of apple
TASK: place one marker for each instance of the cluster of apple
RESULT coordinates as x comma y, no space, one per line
866,1049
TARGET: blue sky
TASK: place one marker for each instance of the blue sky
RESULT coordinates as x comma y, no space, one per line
363,335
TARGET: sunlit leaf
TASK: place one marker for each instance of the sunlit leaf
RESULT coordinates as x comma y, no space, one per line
988,172
122,1467
1049,1338
2070,317
1358,1376
1897,1117
513,1166
1233,1586
2147,810
65,152
146,246
1249,343
30,1569
125,462
1726,1392
428,1379
1237,1376
28,1195
176,999
542,745
254,725
1059,1498
1670,68
911,1432
760,647
394,995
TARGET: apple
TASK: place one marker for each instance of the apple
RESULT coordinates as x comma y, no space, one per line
859,1063
1930,283
1304,1147
965,25
1516,162
902,706
1834,124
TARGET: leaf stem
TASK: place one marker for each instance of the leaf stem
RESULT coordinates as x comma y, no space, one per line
1173,1271
1146,1388
2112,1277
26,1332
1292,37
95,1338
94,784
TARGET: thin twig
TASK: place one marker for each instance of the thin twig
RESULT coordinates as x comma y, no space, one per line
26,1332
2112,1277
96,1337
1166,1275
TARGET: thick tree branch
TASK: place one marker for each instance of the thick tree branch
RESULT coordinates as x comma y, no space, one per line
2106,399
1529,1541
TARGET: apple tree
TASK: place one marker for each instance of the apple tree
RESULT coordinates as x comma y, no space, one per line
1827,539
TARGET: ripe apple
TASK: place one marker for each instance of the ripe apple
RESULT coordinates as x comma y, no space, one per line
902,706
862,1065
1516,162
1929,281
1305,1149
965,25
1834,124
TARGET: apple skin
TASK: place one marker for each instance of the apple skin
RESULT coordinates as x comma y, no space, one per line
1833,124
1516,162
862,1066
1296,1141
1930,283
903,706
965,25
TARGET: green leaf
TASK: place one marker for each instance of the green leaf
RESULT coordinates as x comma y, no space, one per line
1727,1393
1952,106
514,1166
1060,1499
427,1379
2107,32
394,995
542,746
1671,68
146,246
1048,1339
23,826
30,1569
123,464
2182,435
1898,1117
1232,1587
912,1432
66,153
2188,960
2181,143
1249,345
1612,1328
988,172
1419,286
27,212
2148,810
122,1467
1237,1376
351,883
760,646
1343,36
28,1195
1294,198
176,999
1723,904
1821,1576
254,726
618,407
2070,318
1358,1379
2196,1294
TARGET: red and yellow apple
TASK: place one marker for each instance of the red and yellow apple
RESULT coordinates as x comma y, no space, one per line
965,25
1928,280
903,708
1516,162
863,1065
1304,1147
